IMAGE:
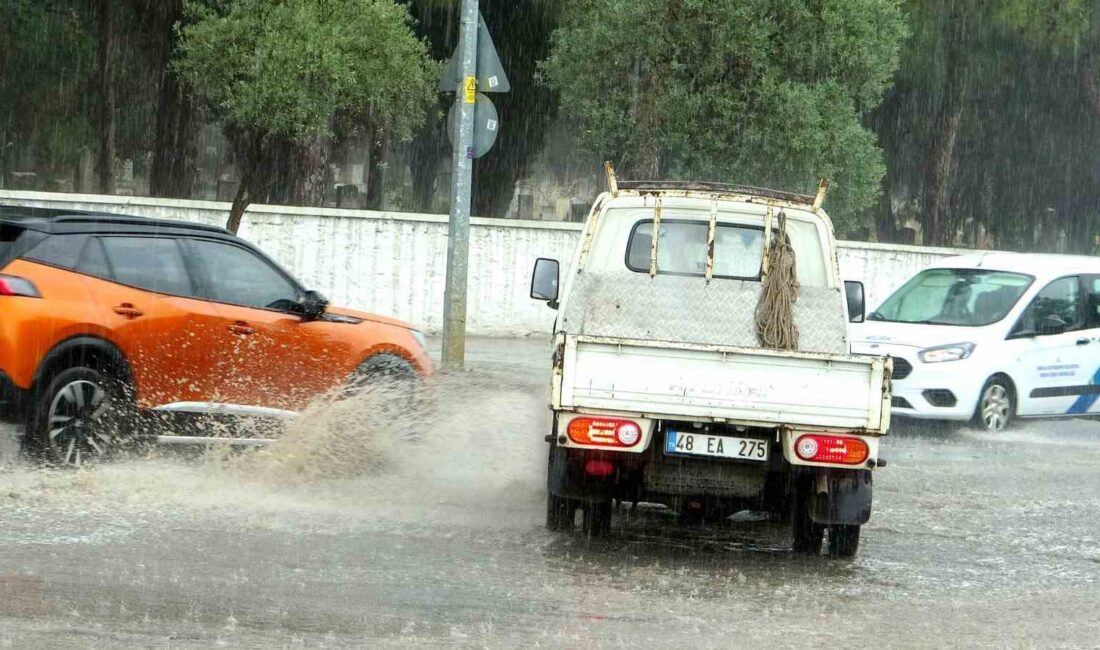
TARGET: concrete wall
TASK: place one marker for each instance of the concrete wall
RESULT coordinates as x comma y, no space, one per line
394,263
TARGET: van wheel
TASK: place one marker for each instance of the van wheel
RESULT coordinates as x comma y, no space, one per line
79,418
843,541
597,519
996,406
560,512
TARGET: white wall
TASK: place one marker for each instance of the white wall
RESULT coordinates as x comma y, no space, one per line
394,263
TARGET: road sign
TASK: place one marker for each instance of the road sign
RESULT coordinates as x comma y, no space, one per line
486,125
490,72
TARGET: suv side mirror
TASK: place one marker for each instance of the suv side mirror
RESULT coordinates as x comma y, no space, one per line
312,305
853,292
544,281
1052,325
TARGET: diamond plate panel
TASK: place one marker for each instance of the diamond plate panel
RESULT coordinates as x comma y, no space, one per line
684,309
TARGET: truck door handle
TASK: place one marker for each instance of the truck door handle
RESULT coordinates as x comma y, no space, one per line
128,310
242,328
1084,341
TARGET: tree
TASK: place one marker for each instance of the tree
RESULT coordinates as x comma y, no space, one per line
279,74
759,91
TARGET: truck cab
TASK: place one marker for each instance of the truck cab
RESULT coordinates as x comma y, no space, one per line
660,390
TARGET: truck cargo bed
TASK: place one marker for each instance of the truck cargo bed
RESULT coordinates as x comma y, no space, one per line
733,384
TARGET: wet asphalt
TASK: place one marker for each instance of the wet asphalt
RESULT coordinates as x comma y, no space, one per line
976,540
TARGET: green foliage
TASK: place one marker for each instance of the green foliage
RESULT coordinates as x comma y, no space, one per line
287,68
754,91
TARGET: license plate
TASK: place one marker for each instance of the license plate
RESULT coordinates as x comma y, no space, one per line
701,444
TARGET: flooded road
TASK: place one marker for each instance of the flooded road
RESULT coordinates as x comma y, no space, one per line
975,540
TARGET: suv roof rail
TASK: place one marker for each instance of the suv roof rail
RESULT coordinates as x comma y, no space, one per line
709,186
18,213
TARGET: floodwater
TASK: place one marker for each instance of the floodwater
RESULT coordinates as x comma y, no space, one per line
350,535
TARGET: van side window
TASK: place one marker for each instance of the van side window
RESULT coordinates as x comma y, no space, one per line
1058,302
1092,302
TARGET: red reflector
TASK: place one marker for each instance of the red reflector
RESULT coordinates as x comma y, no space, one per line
821,448
605,432
599,468
13,286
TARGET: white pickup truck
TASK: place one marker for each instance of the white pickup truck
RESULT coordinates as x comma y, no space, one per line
660,391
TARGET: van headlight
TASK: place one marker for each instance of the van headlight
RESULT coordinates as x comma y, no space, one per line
941,353
420,340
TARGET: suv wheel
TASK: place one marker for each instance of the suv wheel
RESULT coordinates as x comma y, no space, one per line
78,418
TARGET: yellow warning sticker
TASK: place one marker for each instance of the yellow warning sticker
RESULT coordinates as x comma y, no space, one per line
469,90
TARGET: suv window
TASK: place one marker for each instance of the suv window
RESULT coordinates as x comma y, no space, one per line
1058,301
238,276
152,263
58,250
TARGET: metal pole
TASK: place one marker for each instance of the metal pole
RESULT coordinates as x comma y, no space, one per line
458,239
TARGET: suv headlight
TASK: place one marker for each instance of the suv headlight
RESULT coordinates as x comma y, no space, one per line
419,336
941,353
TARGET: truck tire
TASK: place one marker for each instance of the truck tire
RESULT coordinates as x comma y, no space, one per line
80,417
807,536
843,541
597,519
560,512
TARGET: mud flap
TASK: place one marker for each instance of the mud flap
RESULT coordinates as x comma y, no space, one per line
842,498
565,478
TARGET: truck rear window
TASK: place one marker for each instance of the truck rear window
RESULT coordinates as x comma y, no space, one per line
682,249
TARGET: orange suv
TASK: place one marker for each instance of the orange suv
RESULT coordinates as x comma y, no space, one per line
103,316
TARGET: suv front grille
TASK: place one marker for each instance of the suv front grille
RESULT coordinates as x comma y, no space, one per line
902,368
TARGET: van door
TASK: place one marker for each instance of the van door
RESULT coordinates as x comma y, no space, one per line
1049,341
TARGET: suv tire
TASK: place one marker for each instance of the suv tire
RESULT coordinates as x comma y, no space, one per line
80,417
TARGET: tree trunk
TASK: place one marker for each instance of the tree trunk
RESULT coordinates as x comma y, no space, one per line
937,224
175,152
106,99
240,204
376,174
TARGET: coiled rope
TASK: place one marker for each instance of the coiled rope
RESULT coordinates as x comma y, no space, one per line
775,327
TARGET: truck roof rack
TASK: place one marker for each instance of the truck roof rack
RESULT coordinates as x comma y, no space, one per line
707,186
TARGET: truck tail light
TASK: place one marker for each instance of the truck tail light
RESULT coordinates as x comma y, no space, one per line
11,285
604,432
822,448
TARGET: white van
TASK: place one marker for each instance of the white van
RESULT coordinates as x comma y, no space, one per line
991,337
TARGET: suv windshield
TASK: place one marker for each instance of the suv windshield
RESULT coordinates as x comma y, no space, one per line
964,297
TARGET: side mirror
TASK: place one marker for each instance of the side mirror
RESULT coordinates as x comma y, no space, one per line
544,281
853,291
312,305
1052,325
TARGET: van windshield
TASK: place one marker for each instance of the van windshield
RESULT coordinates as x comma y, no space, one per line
961,297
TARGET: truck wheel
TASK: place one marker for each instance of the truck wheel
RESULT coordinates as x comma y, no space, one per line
559,512
597,519
79,418
996,405
843,541
807,535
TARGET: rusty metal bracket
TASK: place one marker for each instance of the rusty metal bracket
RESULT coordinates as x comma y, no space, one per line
612,183
822,190
767,242
711,228
655,237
